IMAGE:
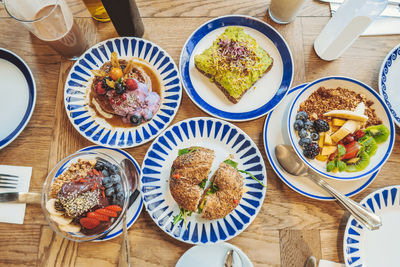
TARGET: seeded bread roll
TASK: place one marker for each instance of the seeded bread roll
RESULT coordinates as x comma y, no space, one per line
230,190
188,171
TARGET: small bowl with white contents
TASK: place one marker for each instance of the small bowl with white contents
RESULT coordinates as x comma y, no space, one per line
340,128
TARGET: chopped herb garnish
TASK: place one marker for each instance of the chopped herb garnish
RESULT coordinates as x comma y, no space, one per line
119,80
341,165
182,216
203,183
235,164
231,162
184,151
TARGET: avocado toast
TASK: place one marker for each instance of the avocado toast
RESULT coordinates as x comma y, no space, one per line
234,62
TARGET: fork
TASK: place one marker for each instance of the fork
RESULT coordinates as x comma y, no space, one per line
8,181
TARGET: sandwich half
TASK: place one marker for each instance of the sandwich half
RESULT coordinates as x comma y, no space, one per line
223,194
189,174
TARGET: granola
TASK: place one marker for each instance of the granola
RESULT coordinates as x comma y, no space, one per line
324,100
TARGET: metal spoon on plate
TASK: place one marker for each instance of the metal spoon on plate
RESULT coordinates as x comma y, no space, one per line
133,178
291,163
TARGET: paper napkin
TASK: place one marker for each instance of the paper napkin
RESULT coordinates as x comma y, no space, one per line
13,212
386,24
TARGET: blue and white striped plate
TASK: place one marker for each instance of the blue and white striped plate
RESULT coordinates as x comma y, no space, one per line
134,211
275,133
362,247
225,139
264,96
389,80
96,129
18,85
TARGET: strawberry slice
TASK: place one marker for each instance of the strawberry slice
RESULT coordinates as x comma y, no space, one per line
89,223
351,150
98,216
106,212
114,208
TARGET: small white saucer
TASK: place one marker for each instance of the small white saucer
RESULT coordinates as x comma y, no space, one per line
213,256
275,132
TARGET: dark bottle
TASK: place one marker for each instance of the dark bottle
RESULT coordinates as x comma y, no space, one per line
125,17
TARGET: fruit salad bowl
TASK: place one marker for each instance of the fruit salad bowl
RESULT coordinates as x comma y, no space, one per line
85,196
340,128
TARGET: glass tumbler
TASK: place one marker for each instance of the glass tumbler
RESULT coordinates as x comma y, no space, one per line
284,11
52,22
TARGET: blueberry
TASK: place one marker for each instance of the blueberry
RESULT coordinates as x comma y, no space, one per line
302,115
113,169
303,133
304,141
118,187
99,166
120,88
298,125
105,172
109,191
135,119
115,178
308,125
106,180
120,196
314,136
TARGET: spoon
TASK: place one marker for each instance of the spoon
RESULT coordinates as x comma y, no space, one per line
291,163
133,178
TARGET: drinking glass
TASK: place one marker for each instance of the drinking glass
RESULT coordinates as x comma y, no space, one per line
284,11
51,21
97,10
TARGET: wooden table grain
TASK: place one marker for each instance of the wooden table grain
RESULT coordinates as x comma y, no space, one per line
289,227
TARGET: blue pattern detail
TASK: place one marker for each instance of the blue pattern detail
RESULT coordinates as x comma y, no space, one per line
236,222
147,198
213,236
195,234
393,192
113,140
87,125
158,212
216,129
165,219
185,129
186,233
204,238
164,142
89,132
201,126
222,235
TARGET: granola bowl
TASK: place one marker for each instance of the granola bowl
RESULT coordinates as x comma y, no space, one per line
85,195
340,128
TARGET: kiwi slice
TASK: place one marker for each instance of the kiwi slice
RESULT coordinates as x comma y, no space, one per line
369,144
361,164
379,132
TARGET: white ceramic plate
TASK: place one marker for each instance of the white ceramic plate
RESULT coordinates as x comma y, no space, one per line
225,139
389,80
134,211
384,149
213,256
275,133
79,80
263,96
378,248
19,96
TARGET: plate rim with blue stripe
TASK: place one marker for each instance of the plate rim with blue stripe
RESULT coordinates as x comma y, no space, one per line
22,66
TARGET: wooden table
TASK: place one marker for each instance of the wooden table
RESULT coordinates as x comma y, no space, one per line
289,227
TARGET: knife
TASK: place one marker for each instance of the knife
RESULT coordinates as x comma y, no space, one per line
19,197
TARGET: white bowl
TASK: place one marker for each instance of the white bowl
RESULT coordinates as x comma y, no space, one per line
384,150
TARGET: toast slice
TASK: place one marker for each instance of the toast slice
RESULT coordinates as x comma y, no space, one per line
234,62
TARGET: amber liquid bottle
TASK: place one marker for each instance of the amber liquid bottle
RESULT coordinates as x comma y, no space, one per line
125,17
97,10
